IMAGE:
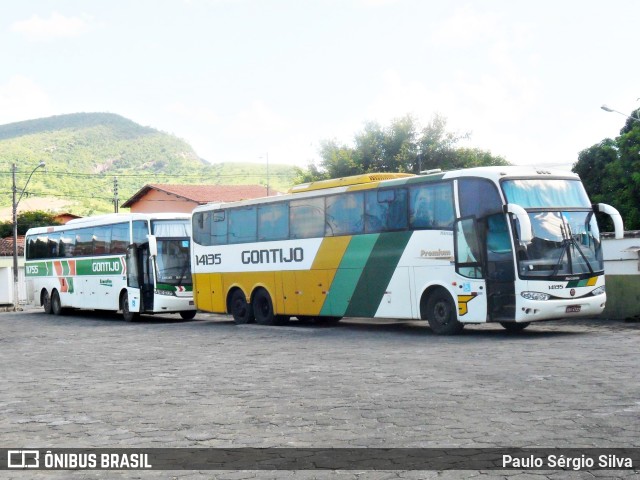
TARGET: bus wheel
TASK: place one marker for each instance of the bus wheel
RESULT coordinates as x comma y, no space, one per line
127,314
45,300
189,315
263,308
56,305
441,313
514,327
240,309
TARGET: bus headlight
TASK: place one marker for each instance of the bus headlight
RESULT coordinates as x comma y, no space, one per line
535,295
598,291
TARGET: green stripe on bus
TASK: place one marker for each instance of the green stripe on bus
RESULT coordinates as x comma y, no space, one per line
102,267
38,269
348,274
167,287
377,273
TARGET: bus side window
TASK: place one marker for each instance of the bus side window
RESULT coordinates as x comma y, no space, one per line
345,214
478,197
42,245
30,244
52,245
218,228
202,228
102,240
140,232
273,222
119,238
467,250
498,240
385,210
67,244
307,218
431,206
37,247
84,241
242,225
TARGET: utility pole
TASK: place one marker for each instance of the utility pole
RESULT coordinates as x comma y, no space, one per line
115,195
15,202
14,217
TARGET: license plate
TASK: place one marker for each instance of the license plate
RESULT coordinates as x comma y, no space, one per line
573,308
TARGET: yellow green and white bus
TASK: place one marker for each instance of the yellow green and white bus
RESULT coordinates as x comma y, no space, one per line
492,244
134,263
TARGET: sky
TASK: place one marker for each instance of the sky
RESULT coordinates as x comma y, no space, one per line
251,80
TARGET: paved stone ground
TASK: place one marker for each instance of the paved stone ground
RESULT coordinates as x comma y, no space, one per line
92,380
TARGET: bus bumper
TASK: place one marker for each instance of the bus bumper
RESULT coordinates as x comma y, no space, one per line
535,310
171,304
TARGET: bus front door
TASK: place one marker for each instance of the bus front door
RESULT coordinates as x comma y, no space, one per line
140,274
471,282
500,269
147,285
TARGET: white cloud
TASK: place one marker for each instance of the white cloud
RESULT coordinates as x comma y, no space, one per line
56,26
22,99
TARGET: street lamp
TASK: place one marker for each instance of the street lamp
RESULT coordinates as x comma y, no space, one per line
609,109
15,229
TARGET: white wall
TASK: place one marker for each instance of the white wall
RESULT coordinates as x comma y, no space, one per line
6,281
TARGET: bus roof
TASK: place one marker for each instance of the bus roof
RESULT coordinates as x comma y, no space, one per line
346,181
108,219
358,182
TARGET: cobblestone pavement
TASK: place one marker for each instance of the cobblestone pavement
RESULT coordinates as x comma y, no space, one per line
92,380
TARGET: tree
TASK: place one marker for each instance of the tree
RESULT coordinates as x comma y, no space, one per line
27,220
403,146
610,171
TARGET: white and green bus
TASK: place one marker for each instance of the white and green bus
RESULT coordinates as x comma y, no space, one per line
134,263
511,245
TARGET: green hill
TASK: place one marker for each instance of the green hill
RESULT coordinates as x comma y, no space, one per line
85,151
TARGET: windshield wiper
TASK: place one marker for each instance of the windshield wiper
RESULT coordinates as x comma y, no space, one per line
572,241
565,244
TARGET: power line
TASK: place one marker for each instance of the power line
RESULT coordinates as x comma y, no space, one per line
147,175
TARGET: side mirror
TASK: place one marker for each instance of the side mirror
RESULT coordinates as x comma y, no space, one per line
153,245
615,216
526,235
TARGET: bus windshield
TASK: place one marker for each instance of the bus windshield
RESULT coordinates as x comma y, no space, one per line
543,193
172,263
564,243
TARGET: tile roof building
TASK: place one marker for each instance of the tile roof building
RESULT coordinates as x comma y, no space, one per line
6,246
154,198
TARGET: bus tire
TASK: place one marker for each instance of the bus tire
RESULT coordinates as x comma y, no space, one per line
188,315
240,309
441,313
45,301
263,308
56,304
127,314
514,327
